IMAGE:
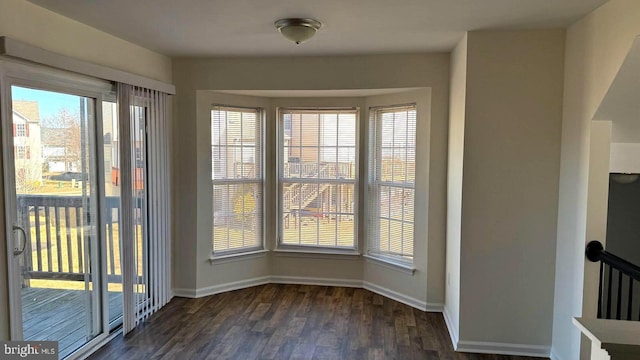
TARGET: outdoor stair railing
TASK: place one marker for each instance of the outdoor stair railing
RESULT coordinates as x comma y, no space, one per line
298,196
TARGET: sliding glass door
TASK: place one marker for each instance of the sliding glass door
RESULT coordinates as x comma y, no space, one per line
112,210
55,222
62,207
77,200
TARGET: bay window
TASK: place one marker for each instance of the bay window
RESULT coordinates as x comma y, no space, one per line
318,178
392,182
236,163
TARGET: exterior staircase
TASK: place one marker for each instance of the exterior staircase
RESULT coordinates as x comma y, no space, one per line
297,196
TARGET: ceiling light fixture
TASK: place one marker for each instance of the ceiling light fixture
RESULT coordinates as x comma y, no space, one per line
298,30
623,178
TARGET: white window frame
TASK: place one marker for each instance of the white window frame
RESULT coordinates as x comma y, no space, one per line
21,130
280,246
224,254
373,248
22,74
21,151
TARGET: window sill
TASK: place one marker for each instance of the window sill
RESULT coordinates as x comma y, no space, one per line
391,264
317,254
223,259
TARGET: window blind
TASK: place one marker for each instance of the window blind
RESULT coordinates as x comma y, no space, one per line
392,182
318,174
236,173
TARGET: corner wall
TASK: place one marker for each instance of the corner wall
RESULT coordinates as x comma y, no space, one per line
596,47
457,110
503,190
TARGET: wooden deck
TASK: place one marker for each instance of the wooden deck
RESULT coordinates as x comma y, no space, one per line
54,314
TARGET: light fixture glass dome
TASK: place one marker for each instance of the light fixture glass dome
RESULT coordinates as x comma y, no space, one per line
298,30
624,178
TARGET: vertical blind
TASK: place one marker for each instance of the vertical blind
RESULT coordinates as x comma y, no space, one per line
146,202
392,190
318,177
236,174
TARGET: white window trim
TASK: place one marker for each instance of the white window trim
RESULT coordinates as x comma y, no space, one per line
21,130
220,257
297,249
387,260
239,256
323,253
21,152
390,263
22,74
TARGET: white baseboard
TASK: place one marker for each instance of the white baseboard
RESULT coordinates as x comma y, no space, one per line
554,355
299,280
236,285
503,348
407,300
188,293
452,328
435,307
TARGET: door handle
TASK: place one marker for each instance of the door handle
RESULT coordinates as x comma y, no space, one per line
24,241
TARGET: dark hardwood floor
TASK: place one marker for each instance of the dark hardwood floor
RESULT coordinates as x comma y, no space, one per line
289,322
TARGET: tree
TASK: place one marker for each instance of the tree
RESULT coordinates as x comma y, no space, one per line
244,205
62,138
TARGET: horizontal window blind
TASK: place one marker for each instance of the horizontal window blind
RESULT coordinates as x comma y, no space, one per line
318,174
236,173
392,188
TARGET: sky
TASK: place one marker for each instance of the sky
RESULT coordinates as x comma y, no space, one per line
49,102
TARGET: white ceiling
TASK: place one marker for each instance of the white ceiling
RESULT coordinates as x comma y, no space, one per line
316,93
245,27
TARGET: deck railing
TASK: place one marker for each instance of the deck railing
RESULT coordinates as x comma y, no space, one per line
328,170
55,247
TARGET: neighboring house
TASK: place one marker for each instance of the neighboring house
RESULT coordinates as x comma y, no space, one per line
27,144
55,151
320,131
237,144
233,156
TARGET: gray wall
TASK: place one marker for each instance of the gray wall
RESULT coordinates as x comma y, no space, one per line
68,37
623,221
596,47
457,109
510,164
196,78
623,240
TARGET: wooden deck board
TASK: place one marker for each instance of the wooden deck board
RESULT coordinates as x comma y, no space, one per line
59,315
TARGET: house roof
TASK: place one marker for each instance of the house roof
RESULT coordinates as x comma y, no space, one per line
27,109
